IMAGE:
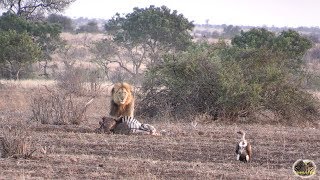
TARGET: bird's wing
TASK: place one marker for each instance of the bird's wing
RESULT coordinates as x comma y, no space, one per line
237,149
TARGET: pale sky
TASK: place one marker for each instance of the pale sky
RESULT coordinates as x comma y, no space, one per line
291,13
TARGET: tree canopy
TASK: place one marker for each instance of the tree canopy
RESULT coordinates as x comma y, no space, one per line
142,37
254,38
288,44
63,21
44,35
156,27
17,51
32,8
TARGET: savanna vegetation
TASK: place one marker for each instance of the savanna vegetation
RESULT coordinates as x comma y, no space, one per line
260,71
197,90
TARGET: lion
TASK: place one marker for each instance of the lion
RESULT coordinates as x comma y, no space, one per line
111,125
107,125
122,102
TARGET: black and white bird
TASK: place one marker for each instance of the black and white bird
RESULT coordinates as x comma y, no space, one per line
243,150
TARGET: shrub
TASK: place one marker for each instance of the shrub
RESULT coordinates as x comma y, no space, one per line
16,142
68,102
59,107
231,81
186,84
79,81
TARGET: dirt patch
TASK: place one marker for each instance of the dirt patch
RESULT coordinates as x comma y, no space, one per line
77,152
204,151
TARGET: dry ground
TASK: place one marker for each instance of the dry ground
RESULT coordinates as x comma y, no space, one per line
205,151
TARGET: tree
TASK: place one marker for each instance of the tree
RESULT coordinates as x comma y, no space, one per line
231,31
156,27
32,8
274,64
254,38
147,33
292,44
46,35
64,21
17,50
288,44
90,27
48,38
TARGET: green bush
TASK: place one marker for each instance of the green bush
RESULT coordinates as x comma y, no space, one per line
182,83
232,81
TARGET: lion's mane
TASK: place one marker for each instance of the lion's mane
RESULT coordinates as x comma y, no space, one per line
122,101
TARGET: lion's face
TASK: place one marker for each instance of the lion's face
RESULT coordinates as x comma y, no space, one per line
121,93
121,96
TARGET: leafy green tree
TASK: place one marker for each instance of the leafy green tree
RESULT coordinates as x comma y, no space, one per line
46,35
157,27
22,16
146,34
33,8
64,21
230,31
9,21
17,50
274,64
290,45
254,38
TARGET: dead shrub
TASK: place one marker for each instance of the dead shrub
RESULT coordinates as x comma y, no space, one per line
59,107
80,81
72,80
16,142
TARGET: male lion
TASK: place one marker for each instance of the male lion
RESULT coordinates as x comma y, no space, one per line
122,102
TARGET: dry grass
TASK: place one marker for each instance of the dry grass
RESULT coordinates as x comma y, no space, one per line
26,84
187,151
59,108
15,142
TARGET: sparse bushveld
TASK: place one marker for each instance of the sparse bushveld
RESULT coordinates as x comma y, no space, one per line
198,93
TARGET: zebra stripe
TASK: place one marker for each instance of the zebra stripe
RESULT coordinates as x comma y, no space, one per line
133,124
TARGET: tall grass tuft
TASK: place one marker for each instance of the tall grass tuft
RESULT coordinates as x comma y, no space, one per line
16,142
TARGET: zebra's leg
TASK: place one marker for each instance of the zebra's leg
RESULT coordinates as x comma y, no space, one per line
139,131
152,130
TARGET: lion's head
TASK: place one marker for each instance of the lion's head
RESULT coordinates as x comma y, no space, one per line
106,125
122,93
